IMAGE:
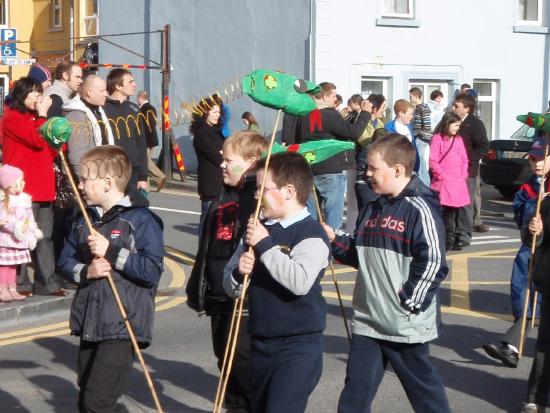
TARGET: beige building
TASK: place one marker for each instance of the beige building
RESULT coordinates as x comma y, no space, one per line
50,31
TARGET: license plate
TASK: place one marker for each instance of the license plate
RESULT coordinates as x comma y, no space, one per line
513,155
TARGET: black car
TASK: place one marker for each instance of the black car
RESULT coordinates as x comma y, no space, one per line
506,166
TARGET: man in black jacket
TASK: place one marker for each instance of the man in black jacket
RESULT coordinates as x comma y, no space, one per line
329,177
150,118
129,130
475,139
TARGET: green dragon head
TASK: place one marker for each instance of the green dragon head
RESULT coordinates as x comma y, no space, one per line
281,91
56,131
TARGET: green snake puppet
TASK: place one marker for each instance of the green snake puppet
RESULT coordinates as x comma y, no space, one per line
56,131
279,90
536,120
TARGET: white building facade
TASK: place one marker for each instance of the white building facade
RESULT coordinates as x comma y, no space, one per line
500,47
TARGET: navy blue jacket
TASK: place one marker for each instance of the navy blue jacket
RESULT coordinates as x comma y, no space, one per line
135,252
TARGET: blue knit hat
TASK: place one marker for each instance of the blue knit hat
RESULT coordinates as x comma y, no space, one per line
39,73
538,148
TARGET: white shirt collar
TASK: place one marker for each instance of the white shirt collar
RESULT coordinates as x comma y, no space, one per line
285,223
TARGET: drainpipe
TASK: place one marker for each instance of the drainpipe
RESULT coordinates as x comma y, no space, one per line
71,32
311,40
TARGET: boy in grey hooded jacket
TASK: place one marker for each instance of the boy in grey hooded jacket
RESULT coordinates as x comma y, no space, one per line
399,250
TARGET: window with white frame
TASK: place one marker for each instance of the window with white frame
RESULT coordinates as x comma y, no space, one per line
379,86
56,6
428,86
89,23
487,108
401,9
530,12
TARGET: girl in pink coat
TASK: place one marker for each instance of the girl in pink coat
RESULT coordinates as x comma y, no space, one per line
449,169
18,230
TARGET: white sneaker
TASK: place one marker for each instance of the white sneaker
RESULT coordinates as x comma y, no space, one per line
531,408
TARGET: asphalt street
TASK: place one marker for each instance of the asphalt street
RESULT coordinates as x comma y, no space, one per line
38,356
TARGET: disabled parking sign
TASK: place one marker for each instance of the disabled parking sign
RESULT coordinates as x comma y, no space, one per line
8,49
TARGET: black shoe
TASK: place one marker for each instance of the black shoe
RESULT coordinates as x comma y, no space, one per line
504,353
458,245
481,228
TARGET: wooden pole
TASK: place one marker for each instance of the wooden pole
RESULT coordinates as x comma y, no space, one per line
533,248
113,286
331,265
234,332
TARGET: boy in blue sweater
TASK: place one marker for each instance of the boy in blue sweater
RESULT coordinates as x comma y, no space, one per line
286,306
399,251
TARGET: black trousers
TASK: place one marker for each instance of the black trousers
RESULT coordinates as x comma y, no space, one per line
284,372
367,363
237,395
456,225
103,370
45,278
513,334
538,387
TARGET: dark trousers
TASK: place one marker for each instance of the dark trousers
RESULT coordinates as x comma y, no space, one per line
473,210
45,278
513,334
456,225
237,395
284,372
103,370
138,197
538,387
367,362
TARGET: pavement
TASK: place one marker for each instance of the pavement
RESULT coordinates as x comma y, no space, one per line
39,307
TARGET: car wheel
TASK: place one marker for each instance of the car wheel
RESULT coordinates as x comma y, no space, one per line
507,192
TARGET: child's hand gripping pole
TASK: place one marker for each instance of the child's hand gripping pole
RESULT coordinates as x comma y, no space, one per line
331,265
238,305
56,131
533,248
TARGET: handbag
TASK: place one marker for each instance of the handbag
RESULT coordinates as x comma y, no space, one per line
64,195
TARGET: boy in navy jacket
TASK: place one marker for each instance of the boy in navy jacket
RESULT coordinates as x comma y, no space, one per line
399,250
287,309
224,225
127,242
525,205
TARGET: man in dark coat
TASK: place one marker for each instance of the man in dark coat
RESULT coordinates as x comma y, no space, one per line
329,177
129,130
150,118
474,134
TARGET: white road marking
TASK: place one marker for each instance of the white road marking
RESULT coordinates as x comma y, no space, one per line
178,211
489,237
496,241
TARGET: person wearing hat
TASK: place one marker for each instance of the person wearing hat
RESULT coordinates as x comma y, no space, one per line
538,387
41,74
19,232
525,204
25,112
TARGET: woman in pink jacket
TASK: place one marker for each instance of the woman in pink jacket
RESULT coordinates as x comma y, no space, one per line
449,170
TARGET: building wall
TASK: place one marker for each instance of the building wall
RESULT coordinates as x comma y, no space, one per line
455,42
19,12
214,43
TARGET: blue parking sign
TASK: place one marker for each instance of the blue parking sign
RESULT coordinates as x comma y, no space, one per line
8,49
